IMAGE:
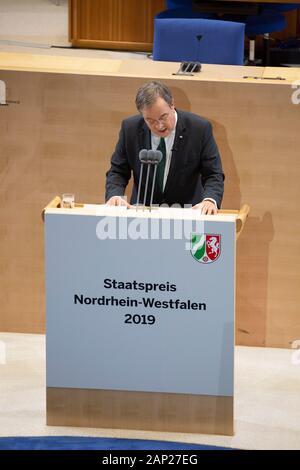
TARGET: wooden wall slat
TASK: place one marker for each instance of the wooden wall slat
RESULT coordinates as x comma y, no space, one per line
115,24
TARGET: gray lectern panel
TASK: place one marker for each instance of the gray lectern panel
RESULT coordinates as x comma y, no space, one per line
138,314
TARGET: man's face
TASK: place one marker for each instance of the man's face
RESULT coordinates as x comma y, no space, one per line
160,117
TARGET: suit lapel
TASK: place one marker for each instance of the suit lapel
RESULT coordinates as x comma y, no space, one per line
144,137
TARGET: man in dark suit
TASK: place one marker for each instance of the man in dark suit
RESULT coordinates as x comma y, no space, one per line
190,172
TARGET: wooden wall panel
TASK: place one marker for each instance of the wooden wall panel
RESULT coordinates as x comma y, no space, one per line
116,24
256,128
60,138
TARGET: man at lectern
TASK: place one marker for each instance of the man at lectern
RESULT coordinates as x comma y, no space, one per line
190,170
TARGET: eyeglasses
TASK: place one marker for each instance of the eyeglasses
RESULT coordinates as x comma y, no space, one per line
154,122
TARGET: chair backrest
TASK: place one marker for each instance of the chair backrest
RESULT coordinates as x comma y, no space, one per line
281,7
203,40
178,3
184,12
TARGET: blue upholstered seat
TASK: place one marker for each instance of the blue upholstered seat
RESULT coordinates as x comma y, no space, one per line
267,22
263,24
280,7
195,39
185,12
178,3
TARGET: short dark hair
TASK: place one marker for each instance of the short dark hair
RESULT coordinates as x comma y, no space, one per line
149,92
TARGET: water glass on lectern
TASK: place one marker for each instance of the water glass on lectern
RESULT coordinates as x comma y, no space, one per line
68,201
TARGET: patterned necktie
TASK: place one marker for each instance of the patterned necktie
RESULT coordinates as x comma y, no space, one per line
161,166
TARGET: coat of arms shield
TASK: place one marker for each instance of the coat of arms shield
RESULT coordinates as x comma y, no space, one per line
205,247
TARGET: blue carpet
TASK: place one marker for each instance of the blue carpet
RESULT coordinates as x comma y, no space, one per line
94,443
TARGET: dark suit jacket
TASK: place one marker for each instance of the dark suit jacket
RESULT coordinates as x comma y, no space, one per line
195,171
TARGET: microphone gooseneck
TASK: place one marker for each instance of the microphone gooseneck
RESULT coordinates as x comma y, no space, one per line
149,158
156,160
143,159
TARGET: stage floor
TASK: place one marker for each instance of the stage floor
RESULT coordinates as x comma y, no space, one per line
267,386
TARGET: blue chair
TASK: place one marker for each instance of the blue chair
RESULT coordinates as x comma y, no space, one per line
183,9
198,40
280,7
267,22
178,3
262,24
185,12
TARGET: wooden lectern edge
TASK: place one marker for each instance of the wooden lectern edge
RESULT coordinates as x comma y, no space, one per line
241,219
241,214
55,203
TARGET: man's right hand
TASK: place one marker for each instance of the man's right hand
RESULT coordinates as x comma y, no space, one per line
118,201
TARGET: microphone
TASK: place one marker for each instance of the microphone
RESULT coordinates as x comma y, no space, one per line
191,67
150,158
147,177
143,157
156,159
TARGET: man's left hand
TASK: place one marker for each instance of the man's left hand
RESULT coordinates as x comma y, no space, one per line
207,208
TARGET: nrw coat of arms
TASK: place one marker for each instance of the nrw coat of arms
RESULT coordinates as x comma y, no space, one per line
205,247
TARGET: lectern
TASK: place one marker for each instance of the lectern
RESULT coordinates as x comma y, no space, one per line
140,312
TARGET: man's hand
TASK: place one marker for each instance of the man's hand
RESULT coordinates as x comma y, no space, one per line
118,201
207,208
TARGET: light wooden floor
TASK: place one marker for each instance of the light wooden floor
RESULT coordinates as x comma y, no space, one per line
267,385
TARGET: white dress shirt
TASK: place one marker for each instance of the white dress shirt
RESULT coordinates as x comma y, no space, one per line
169,140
